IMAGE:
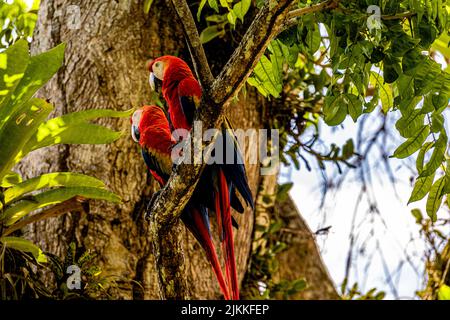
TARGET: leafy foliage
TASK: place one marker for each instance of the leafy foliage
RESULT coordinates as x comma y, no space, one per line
359,68
227,14
23,128
95,285
17,21
354,293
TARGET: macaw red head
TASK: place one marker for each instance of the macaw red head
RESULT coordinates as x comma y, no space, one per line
166,70
150,128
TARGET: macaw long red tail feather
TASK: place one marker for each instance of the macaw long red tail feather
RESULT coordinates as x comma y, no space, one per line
230,261
203,236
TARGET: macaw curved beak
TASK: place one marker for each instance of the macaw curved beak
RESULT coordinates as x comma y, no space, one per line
135,133
135,119
155,83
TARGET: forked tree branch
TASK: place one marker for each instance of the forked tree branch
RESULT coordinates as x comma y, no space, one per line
169,204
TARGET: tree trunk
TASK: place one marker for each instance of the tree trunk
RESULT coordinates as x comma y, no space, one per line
302,252
104,67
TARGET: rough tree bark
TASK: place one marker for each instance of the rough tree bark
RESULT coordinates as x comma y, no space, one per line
104,67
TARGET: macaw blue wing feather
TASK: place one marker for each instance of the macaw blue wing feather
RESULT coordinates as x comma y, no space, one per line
156,163
189,107
235,171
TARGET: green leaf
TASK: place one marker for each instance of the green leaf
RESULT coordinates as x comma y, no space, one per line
147,6
437,122
335,110
231,17
13,63
428,77
19,130
377,55
299,285
444,292
403,43
47,198
412,62
417,214
413,144
216,18
224,4
405,86
10,179
200,8
354,105
408,124
348,149
313,39
427,34
435,198
283,191
275,227
25,246
214,5
50,180
428,105
437,156
264,78
210,33
390,72
441,44
421,188
241,8
385,91
276,57
420,158
41,68
73,128
439,101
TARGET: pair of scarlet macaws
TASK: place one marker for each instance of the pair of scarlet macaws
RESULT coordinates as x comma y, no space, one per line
216,190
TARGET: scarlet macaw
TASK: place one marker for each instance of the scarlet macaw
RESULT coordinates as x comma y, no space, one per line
150,128
182,92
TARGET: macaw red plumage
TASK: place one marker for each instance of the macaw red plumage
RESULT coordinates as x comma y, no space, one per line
183,93
150,128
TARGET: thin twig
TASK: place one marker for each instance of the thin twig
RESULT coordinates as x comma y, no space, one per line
314,8
398,16
294,14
